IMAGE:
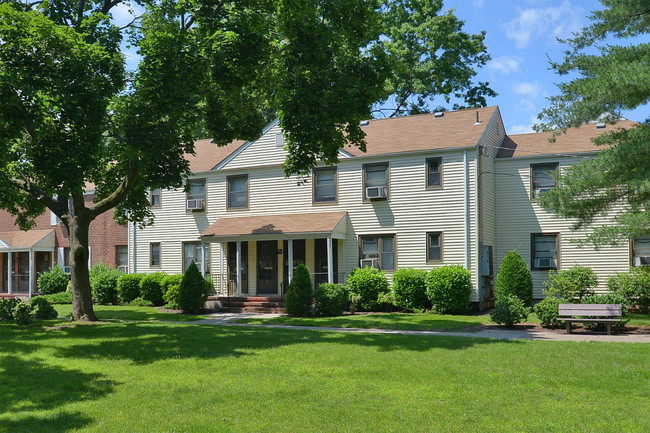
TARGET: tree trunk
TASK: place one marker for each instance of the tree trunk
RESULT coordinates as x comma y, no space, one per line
82,298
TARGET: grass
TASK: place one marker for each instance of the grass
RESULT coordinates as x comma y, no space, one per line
165,377
127,312
406,321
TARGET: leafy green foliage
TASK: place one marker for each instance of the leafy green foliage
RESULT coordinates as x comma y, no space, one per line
410,289
57,298
53,280
548,309
103,281
449,288
193,292
151,287
330,299
139,302
368,283
23,314
514,278
634,286
43,310
572,284
8,307
509,309
355,303
299,292
609,78
171,287
607,298
128,287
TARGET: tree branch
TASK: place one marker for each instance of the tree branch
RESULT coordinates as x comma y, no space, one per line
80,11
119,194
399,106
31,188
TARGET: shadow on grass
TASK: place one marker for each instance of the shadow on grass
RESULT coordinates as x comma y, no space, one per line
146,343
30,385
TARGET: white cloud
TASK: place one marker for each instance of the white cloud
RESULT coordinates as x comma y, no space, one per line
526,105
528,88
552,22
524,129
505,64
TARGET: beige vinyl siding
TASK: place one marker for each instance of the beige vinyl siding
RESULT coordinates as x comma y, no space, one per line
262,151
518,217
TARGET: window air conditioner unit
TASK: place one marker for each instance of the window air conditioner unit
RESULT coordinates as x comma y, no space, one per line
195,204
123,268
66,269
545,262
539,191
375,192
369,263
641,260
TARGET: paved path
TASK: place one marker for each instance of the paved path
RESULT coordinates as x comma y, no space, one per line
497,333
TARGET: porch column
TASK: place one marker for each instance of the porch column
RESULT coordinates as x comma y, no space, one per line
10,258
238,268
221,276
31,272
290,259
330,261
203,264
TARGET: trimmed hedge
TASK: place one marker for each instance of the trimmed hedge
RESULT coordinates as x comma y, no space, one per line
54,280
299,293
128,287
171,287
410,289
573,284
634,286
57,298
367,283
103,282
330,299
514,278
449,288
151,288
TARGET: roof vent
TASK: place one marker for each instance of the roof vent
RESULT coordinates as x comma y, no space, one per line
478,121
364,123
438,114
600,125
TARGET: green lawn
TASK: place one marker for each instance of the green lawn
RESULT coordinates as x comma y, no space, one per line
127,312
406,321
165,377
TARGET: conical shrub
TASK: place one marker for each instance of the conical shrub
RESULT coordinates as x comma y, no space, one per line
299,293
514,278
193,291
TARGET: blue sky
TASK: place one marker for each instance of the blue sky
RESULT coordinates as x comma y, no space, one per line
521,36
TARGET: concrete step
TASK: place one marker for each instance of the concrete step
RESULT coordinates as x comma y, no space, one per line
252,310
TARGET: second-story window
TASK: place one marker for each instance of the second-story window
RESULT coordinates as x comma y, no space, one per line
641,252
237,191
375,181
154,197
325,185
434,172
541,176
196,195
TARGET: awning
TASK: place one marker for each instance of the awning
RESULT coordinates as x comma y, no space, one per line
305,225
24,240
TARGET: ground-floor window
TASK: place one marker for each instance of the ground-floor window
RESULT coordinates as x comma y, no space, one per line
379,247
154,254
641,252
122,258
434,247
232,266
544,252
199,254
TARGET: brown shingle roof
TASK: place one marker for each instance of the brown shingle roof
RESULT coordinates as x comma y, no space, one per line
275,224
21,239
575,140
424,132
208,154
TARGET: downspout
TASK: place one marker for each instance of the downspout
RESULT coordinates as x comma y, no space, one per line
135,251
466,213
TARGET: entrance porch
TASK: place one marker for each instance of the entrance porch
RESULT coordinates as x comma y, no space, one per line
22,256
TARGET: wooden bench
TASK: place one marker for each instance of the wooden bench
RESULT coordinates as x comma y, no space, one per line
598,313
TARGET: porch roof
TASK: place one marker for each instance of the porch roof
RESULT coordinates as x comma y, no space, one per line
28,239
278,226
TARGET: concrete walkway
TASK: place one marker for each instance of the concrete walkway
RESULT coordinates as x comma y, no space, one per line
496,333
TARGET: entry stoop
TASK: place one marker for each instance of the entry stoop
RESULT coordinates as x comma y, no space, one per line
253,304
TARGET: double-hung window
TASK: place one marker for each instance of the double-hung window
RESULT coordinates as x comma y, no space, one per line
434,172
544,251
381,248
641,252
154,254
375,181
154,197
196,195
325,185
542,180
434,247
198,253
237,191
122,257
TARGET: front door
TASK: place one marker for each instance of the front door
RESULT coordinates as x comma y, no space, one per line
267,267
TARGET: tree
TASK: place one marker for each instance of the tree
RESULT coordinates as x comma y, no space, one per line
300,292
611,78
70,113
514,278
429,55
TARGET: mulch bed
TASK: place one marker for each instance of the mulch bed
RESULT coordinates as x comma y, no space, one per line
577,329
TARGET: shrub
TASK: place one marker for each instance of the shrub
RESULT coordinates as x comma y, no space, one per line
355,300
410,289
193,291
151,287
57,298
548,309
128,287
634,286
54,280
509,310
368,283
171,286
573,284
43,310
23,314
139,302
8,307
606,298
331,299
103,282
449,288
514,278
385,301
299,293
